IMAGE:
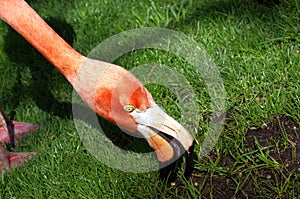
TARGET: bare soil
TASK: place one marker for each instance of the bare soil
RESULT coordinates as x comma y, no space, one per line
279,141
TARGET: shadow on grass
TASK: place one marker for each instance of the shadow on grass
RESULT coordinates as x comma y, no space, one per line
256,8
112,132
262,9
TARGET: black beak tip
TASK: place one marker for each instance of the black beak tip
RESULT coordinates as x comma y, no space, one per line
188,166
169,173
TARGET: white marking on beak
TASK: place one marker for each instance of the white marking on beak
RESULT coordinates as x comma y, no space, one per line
157,119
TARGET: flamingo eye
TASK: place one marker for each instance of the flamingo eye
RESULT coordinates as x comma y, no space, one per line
129,108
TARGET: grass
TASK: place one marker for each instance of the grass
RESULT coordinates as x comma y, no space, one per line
256,49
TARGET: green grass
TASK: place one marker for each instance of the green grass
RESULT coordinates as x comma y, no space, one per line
255,47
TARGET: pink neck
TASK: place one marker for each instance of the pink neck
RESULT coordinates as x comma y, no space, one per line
19,15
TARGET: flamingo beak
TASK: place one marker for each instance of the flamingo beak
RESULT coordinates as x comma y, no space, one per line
165,135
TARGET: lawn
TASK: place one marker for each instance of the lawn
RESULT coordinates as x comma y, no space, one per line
256,49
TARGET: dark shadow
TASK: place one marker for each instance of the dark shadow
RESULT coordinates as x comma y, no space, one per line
43,74
200,11
111,131
269,3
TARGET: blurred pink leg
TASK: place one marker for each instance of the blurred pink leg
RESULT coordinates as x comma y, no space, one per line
9,132
12,130
9,160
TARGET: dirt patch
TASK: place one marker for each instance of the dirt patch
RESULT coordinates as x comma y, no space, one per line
283,137
274,152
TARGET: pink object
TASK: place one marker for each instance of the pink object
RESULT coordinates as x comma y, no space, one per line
14,159
9,132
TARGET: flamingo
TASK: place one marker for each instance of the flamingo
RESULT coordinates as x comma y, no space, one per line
115,95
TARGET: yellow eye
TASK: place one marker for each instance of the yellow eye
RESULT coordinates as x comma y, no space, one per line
129,108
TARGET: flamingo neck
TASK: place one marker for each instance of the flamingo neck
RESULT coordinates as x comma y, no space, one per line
101,85
19,15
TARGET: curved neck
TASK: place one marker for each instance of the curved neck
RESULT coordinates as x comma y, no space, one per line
20,16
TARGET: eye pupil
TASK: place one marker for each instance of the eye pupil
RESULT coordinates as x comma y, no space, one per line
129,108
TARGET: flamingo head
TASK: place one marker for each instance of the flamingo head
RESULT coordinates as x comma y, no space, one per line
134,110
122,99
